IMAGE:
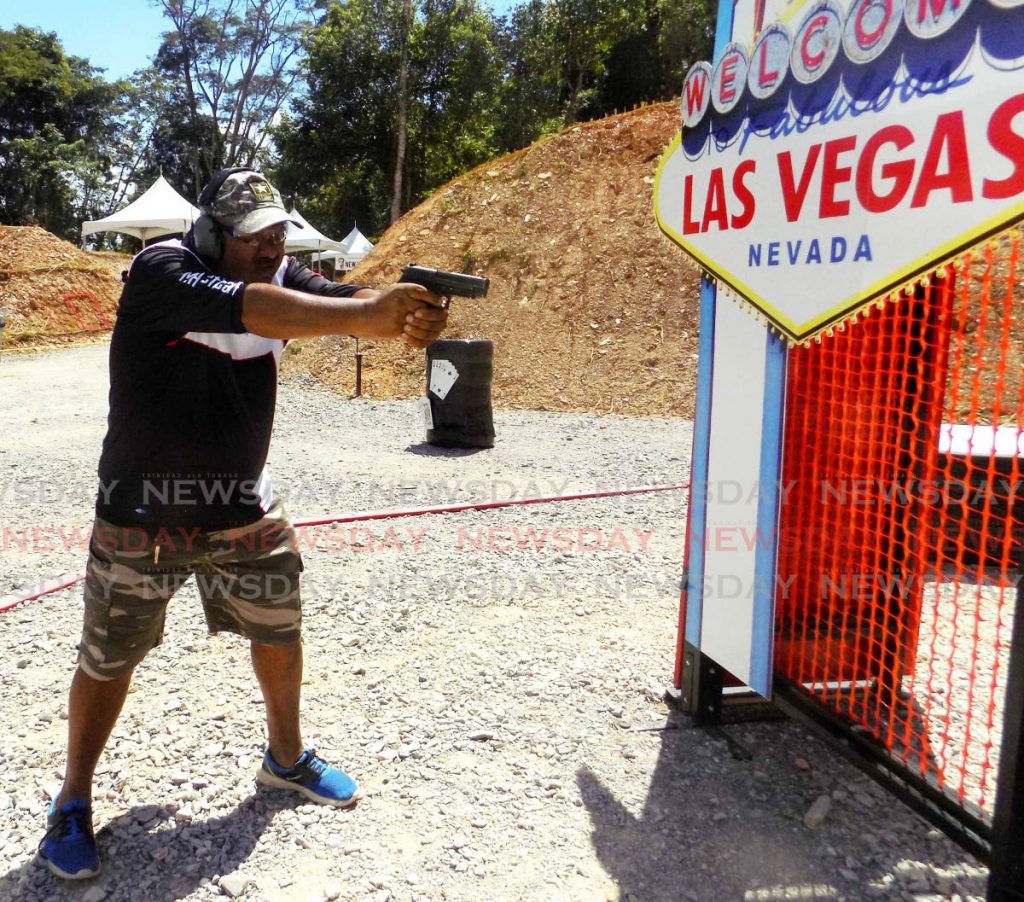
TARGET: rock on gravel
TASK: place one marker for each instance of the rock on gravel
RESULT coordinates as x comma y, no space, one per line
233,885
817,813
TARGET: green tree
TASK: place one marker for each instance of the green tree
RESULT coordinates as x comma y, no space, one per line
402,127
686,35
458,85
59,129
585,32
580,59
228,66
650,58
634,69
393,109
163,139
339,147
529,101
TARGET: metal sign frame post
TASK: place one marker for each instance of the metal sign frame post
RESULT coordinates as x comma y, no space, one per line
1006,875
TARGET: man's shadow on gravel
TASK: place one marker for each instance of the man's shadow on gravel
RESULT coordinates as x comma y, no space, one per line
146,854
710,831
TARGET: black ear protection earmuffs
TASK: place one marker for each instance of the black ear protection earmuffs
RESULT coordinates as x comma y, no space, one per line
206,236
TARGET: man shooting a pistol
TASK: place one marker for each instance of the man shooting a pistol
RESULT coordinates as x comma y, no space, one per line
194,356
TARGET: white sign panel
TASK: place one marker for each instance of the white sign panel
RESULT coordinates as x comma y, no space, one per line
849,153
730,535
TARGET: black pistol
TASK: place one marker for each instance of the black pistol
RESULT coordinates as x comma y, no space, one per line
446,284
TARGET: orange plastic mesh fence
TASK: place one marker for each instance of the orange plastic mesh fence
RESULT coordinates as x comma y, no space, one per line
902,524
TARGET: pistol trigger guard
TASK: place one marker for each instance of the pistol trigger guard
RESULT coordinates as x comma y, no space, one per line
446,301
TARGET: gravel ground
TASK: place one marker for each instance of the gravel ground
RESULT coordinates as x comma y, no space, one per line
492,678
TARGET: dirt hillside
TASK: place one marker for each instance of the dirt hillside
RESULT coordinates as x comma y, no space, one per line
590,307
53,293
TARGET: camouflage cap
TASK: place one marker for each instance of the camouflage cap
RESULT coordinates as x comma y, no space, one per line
246,203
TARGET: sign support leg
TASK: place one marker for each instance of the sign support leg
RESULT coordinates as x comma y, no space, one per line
701,689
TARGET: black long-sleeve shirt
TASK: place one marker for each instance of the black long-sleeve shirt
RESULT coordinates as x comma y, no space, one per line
192,396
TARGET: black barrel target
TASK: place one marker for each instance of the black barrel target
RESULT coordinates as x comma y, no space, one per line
462,370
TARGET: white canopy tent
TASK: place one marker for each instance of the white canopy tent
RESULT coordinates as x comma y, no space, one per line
307,238
354,247
158,211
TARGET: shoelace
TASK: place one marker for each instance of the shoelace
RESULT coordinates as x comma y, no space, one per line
73,823
315,764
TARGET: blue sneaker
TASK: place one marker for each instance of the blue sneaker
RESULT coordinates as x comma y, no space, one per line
313,777
69,846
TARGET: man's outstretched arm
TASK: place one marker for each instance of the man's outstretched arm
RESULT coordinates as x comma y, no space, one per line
405,311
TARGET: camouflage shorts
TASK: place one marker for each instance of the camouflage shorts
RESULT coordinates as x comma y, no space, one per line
248,579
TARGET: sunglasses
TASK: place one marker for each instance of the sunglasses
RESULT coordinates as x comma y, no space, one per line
274,235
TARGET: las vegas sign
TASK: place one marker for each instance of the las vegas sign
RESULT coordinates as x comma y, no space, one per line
848,153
